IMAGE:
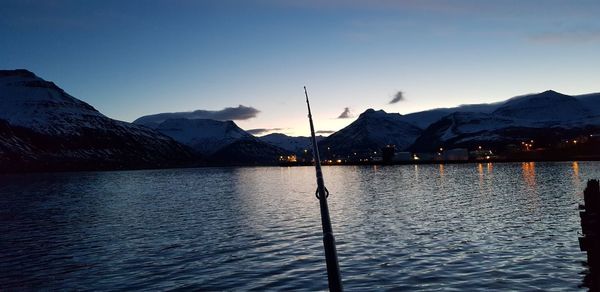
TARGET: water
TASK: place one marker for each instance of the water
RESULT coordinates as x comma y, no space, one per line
428,227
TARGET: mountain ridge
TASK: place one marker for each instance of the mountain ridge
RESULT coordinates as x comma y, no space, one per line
42,127
370,132
45,128
548,116
295,144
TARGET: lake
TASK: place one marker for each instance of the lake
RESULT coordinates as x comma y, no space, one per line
462,227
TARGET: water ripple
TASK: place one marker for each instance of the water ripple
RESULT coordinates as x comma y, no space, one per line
464,227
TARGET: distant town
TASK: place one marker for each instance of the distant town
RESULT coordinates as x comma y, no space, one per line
584,147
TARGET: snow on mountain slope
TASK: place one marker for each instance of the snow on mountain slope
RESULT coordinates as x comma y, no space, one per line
547,117
29,101
372,131
462,126
546,106
425,118
289,143
44,128
221,142
203,135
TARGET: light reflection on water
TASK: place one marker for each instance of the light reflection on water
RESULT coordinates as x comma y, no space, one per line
416,227
529,173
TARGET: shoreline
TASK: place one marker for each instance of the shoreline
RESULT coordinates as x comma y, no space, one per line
425,162
378,163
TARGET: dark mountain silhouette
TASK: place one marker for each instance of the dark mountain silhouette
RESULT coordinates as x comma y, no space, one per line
289,143
370,132
248,152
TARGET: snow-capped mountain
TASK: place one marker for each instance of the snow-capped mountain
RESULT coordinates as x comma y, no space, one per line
289,143
425,118
462,129
549,105
44,128
546,117
546,106
370,132
203,135
221,142
31,102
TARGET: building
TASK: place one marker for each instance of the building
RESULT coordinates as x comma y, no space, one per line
403,156
387,153
457,154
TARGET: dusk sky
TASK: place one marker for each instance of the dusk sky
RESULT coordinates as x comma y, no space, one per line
134,58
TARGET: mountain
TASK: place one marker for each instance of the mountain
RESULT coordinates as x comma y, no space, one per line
548,106
44,128
220,142
464,129
289,143
591,102
524,107
425,118
202,135
248,152
547,118
370,132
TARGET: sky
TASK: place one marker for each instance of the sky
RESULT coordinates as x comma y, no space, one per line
134,58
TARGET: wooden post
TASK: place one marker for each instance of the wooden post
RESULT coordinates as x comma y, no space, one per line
590,225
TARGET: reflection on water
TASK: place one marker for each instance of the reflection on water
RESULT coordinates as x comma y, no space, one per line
414,227
576,179
529,173
416,177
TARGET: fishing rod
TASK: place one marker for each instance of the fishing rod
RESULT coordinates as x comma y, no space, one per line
333,267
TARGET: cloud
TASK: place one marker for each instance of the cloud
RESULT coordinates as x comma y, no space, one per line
324,132
399,96
229,113
346,114
261,131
